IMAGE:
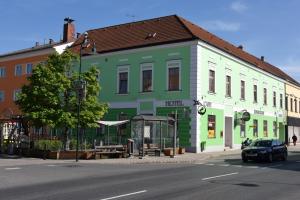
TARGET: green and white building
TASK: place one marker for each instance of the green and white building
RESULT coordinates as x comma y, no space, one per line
163,65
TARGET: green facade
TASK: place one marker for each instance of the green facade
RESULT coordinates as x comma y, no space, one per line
193,135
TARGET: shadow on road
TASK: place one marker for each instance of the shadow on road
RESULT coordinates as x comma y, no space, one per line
293,162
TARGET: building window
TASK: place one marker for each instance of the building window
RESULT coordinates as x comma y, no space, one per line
211,126
212,81
29,68
291,101
228,86
2,72
173,77
18,70
255,128
281,100
122,128
295,100
265,128
286,103
242,128
123,75
242,90
275,129
255,93
1,96
265,96
146,77
274,99
16,94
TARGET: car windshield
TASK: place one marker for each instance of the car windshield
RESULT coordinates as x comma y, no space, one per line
261,143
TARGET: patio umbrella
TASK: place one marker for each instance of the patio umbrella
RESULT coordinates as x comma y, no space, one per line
112,123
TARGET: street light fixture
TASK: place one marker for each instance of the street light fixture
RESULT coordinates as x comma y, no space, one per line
81,89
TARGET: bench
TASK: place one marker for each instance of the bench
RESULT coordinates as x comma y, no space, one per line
110,151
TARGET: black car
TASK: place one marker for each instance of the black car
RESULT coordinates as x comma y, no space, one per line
265,149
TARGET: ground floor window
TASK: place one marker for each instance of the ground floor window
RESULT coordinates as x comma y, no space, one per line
242,128
211,126
265,128
275,129
255,128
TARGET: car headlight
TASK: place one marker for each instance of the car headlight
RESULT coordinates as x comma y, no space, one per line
263,151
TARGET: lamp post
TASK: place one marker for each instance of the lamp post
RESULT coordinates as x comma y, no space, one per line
80,86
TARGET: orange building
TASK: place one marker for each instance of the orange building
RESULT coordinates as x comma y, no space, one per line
16,66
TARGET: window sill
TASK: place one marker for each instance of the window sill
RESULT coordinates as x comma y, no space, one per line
122,94
212,93
146,92
173,90
228,97
255,102
242,100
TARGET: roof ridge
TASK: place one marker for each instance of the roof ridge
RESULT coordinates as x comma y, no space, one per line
131,23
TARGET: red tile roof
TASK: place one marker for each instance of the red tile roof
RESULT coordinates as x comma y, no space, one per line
165,30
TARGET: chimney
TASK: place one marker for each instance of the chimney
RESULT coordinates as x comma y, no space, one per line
240,47
37,44
262,58
78,35
51,41
69,30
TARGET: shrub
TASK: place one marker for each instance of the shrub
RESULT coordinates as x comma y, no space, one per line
52,145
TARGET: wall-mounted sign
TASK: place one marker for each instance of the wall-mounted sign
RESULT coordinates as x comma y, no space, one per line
259,112
246,116
174,103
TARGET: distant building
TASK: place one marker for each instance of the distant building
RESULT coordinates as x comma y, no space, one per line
16,66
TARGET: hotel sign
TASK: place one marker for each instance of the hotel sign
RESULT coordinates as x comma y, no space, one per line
174,103
259,112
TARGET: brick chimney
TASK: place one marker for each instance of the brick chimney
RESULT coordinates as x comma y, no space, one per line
69,30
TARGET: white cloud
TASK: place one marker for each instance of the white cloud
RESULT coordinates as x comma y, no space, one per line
218,25
238,6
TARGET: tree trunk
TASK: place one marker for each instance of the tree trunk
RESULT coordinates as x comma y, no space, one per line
66,139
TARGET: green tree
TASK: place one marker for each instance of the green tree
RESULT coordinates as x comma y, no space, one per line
50,98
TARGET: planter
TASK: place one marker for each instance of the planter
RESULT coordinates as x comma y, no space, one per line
181,150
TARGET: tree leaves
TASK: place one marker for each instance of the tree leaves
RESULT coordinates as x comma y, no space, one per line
50,97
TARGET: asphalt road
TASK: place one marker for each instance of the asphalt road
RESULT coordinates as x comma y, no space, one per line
221,178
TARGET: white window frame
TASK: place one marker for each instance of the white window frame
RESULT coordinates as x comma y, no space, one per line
121,69
1,91
169,65
27,68
16,91
16,67
143,67
2,72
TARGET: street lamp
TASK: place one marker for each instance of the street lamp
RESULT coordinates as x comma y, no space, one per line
81,89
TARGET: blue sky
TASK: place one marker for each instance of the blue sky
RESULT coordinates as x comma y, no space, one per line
264,27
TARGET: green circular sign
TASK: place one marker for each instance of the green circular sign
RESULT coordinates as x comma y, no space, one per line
246,116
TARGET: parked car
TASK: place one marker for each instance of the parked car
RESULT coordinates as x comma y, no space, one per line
265,149
246,143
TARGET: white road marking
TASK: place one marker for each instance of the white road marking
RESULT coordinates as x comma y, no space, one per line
199,163
12,168
298,161
224,165
212,177
237,165
125,195
51,165
210,164
252,167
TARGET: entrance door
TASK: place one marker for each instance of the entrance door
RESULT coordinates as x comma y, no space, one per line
228,132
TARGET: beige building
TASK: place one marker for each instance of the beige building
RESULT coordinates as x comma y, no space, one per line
292,106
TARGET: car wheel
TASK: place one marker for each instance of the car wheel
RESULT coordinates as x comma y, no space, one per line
284,156
244,158
270,157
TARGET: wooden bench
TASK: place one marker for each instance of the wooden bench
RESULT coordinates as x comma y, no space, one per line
110,151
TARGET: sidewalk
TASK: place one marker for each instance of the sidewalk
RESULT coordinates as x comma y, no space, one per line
182,158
